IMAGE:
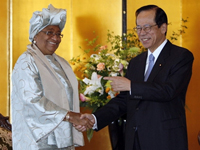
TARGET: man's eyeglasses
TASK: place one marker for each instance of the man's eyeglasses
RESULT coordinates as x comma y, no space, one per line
51,33
146,28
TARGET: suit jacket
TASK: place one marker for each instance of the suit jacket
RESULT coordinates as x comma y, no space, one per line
155,108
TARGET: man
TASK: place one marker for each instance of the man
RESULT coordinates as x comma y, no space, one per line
154,104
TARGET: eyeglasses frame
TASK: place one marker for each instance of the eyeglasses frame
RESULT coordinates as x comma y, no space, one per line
144,28
53,33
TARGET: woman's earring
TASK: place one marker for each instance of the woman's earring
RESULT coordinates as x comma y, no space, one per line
34,42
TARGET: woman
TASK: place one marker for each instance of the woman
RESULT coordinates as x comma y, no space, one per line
45,99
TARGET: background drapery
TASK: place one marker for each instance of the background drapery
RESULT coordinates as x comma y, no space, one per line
84,17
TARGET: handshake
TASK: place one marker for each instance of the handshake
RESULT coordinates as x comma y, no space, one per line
81,122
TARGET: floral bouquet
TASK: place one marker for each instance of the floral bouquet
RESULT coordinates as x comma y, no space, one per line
105,60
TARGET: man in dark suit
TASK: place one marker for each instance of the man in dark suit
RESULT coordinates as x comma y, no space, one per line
155,105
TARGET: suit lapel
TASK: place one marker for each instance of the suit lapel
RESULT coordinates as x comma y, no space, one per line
160,61
139,68
136,74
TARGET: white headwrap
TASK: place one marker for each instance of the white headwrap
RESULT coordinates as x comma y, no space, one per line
46,17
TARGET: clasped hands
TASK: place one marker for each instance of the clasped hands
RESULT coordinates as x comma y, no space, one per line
82,122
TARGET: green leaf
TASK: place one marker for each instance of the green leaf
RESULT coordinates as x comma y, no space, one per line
89,134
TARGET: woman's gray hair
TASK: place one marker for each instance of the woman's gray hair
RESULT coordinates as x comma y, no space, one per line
48,16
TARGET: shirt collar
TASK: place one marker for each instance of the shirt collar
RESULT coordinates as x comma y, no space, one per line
157,51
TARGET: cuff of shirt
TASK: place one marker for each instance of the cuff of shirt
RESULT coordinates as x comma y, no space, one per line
95,123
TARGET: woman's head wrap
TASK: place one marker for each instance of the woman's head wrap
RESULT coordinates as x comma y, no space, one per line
46,17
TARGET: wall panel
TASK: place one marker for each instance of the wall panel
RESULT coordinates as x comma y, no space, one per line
191,41
4,61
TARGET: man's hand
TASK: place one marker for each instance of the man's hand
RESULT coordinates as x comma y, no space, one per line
76,119
88,116
119,83
85,116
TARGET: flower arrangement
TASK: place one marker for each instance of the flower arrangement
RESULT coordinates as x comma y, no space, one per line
105,60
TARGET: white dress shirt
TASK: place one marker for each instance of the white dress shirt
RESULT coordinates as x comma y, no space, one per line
156,53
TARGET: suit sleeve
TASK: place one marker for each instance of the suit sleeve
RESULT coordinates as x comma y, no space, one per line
170,81
112,110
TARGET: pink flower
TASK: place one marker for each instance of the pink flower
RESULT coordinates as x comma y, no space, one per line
100,66
83,97
103,47
121,66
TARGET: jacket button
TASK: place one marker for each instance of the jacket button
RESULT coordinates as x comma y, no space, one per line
137,108
135,128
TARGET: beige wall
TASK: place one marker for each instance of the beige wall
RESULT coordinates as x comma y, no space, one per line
85,16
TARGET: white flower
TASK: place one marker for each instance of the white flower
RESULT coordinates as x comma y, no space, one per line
93,85
109,68
95,57
124,63
111,55
111,93
113,74
116,65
